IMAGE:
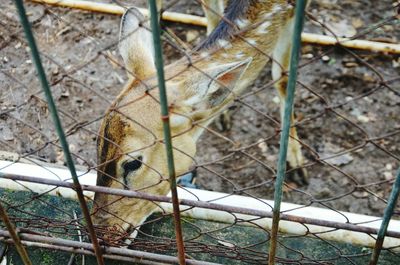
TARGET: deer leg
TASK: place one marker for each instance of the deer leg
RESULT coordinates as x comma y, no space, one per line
280,66
214,10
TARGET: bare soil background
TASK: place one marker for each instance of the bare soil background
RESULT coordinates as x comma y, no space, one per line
78,49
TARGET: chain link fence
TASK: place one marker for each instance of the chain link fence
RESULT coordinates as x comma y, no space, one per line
346,116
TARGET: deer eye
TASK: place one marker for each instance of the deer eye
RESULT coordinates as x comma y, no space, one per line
130,166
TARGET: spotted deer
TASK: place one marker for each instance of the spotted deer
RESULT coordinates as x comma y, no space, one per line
131,152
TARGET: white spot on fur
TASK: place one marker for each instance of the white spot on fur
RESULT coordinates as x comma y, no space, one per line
212,65
252,42
204,54
177,120
224,44
267,16
239,55
193,100
242,23
276,8
263,28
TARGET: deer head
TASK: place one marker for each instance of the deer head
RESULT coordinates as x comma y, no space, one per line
131,153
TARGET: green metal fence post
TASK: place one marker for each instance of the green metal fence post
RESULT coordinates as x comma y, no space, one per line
394,195
53,110
167,131
281,168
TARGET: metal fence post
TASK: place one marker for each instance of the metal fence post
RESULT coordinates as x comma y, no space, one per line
167,131
284,140
57,123
394,195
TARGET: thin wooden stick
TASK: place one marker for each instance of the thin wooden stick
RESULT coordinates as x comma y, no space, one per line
202,21
119,10
353,44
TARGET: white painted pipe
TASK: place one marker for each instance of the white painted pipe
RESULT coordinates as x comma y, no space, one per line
40,171
89,178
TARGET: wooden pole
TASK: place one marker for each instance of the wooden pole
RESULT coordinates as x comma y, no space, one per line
119,10
353,44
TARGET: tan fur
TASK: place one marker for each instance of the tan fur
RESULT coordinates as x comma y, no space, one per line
197,92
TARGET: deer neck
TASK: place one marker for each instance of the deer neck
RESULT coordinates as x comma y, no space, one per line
249,29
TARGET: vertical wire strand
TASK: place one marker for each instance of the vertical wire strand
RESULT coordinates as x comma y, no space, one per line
166,127
15,237
57,123
281,167
387,215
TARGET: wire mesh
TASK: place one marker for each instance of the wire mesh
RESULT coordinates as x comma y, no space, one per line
347,121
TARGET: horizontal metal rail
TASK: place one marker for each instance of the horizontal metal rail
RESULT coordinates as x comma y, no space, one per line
82,252
87,249
203,204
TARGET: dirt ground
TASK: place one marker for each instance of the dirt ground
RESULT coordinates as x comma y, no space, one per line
343,108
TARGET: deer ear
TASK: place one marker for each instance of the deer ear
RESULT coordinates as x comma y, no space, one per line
136,44
216,84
